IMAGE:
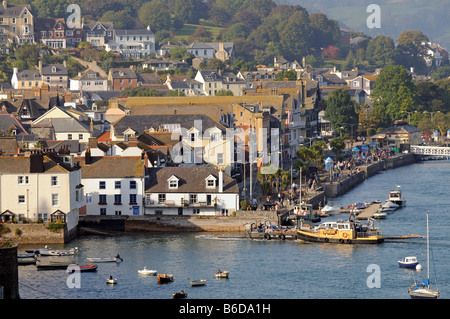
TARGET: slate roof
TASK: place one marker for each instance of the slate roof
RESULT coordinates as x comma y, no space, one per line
28,75
140,123
60,69
13,10
123,73
191,180
8,121
400,128
112,167
66,125
22,165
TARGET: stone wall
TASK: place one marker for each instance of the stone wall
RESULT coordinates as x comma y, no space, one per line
400,160
336,189
35,234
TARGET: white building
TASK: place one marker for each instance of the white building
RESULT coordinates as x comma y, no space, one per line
114,185
133,43
199,190
40,185
89,81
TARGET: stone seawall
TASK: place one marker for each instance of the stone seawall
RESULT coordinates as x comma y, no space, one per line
169,223
36,234
400,160
336,189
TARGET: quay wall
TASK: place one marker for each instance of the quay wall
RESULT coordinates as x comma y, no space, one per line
170,223
400,160
336,189
38,234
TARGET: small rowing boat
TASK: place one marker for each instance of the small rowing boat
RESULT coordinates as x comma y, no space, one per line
200,282
178,295
105,260
164,278
111,280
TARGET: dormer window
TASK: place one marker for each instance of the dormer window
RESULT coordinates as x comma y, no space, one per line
210,181
53,69
173,182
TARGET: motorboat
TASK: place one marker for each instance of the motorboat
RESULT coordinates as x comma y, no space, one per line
164,278
395,196
46,251
196,283
147,272
222,274
82,268
379,215
117,258
179,295
331,210
408,262
388,207
111,280
423,290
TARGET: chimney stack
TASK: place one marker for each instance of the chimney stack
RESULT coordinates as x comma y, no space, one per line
36,162
87,157
220,181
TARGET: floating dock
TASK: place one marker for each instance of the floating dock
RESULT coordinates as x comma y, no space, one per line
368,212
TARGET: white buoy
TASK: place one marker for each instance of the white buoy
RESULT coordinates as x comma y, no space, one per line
419,267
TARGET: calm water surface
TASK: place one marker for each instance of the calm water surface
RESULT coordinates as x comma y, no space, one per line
272,270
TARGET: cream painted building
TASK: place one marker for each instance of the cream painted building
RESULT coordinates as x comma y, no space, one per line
40,185
16,24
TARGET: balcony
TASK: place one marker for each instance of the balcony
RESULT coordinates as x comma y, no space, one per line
183,203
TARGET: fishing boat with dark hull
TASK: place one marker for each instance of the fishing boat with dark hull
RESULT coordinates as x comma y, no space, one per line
341,232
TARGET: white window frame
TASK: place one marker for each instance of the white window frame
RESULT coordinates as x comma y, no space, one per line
55,199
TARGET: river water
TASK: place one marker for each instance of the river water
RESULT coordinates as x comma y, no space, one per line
272,269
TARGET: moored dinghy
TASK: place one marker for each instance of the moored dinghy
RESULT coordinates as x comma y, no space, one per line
222,274
196,283
111,280
178,295
117,258
164,278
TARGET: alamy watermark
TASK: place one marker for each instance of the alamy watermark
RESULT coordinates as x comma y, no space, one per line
374,19
374,279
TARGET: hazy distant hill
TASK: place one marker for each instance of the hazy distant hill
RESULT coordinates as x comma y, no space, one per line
429,16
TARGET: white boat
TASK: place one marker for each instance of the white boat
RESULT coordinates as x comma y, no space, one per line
111,280
396,197
147,272
422,290
408,262
105,260
46,251
388,207
200,282
379,215
222,274
331,210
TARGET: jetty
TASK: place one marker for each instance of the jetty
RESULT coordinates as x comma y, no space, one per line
368,212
